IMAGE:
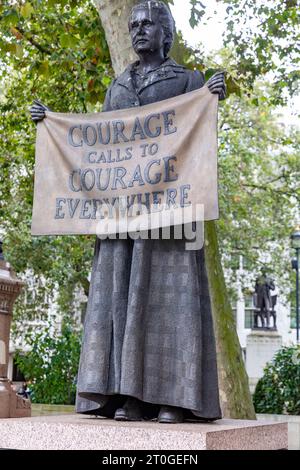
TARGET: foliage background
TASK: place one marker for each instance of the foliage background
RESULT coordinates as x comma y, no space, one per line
50,368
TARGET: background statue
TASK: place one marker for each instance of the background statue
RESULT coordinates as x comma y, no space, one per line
148,348
263,301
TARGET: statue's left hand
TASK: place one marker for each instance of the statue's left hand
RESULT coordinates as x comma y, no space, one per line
216,85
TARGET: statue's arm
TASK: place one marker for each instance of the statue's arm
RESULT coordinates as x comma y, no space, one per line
38,111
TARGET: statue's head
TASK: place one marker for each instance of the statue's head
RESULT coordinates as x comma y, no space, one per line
152,27
263,272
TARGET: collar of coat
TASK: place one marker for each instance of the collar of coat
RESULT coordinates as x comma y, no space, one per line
168,69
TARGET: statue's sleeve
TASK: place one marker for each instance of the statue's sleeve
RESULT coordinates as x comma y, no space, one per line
195,80
107,102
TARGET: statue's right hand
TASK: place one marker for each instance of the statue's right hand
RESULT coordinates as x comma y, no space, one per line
38,111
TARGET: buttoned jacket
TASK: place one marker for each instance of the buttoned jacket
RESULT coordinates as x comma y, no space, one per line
166,81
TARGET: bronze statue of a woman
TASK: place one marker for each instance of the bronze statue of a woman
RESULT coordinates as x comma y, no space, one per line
148,349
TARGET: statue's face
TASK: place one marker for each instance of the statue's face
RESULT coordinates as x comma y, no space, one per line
146,32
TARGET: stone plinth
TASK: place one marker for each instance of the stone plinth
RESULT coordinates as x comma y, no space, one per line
261,348
71,432
11,405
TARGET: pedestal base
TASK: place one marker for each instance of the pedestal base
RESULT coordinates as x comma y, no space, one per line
262,345
71,432
11,404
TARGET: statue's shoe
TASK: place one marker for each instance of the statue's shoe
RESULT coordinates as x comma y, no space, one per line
131,411
170,415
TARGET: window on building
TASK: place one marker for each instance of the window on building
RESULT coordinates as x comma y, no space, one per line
247,264
249,311
235,261
244,352
234,312
17,375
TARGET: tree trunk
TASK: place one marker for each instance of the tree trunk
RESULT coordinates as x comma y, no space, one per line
233,381
114,16
235,396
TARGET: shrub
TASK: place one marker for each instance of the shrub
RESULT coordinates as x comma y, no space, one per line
51,365
278,391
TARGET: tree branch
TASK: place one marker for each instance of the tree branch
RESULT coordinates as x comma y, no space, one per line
274,190
32,41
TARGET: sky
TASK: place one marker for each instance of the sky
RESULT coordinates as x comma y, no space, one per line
210,36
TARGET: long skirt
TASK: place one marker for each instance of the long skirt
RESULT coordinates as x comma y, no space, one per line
148,330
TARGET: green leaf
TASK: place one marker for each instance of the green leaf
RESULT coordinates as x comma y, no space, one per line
68,41
19,51
232,86
26,10
12,48
10,17
43,68
106,81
